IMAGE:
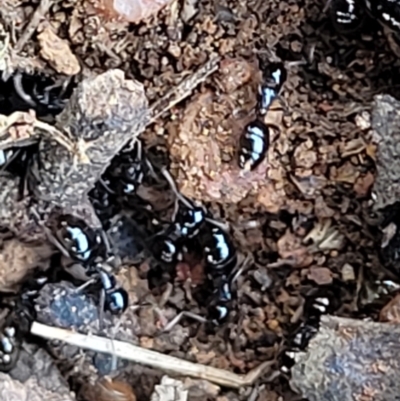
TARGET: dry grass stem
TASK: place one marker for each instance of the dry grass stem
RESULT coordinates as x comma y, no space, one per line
147,357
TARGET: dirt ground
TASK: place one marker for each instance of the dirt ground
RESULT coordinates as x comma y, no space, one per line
304,217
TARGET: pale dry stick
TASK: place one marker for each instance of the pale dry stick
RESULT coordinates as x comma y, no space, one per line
147,357
184,89
37,17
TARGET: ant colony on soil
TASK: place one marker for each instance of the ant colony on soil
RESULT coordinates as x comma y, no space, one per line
132,244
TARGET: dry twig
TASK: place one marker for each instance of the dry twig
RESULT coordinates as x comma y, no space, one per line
184,89
37,16
150,358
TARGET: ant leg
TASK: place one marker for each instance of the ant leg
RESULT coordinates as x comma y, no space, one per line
131,146
63,84
102,304
274,126
180,316
50,236
106,187
17,79
280,103
223,226
85,285
106,241
10,160
172,184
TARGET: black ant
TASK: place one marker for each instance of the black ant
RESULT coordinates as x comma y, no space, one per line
16,317
346,15
166,249
189,219
127,170
9,347
386,11
318,302
104,202
274,76
41,93
220,262
187,222
193,226
18,161
84,253
116,298
254,141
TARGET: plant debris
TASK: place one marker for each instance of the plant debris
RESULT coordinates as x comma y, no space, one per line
344,345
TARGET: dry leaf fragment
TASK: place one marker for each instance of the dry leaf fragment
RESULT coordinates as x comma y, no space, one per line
348,272
292,251
169,390
391,311
320,275
324,237
364,184
108,390
352,147
347,173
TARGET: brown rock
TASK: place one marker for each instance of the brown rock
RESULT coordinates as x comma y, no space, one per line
58,53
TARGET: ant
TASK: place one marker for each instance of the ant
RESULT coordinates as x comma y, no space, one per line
41,93
127,170
254,141
18,161
274,76
348,15
187,221
220,261
116,299
103,202
16,318
84,252
192,225
9,347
